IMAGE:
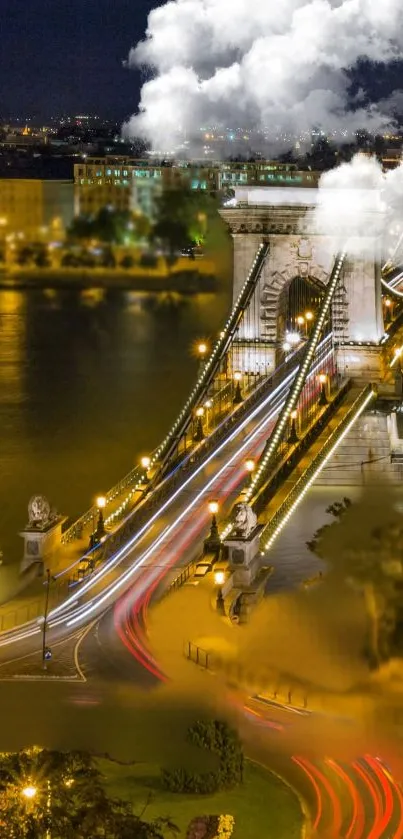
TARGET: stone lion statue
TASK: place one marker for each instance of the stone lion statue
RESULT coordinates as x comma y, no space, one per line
244,520
38,511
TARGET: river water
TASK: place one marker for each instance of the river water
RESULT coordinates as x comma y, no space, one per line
89,382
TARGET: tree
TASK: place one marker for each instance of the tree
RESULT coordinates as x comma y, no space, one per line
182,217
42,790
110,226
371,560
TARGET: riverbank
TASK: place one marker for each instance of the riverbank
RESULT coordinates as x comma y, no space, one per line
183,278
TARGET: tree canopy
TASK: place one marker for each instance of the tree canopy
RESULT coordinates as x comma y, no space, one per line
371,559
44,792
114,227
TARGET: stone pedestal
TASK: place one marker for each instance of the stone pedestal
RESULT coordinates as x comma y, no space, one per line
244,557
40,542
360,362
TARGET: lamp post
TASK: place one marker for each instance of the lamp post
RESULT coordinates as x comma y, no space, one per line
238,395
46,652
199,433
250,467
100,528
202,349
301,322
322,396
309,317
145,463
213,542
293,437
208,406
219,579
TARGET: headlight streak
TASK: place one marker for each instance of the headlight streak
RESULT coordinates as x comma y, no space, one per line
122,552
85,611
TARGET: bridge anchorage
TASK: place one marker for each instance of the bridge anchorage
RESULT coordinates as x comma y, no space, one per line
306,347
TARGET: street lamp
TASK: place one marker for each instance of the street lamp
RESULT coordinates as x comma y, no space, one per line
29,791
250,465
100,528
219,579
323,397
199,433
46,652
293,437
202,349
238,395
213,542
309,316
286,346
208,406
145,463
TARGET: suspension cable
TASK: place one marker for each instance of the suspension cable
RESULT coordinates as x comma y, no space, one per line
295,391
165,450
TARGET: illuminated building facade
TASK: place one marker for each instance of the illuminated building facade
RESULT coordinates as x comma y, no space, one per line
125,183
35,209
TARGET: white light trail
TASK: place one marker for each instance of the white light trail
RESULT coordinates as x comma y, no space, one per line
313,477
85,611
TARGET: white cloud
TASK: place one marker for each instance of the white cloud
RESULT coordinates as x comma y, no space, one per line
358,203
274,64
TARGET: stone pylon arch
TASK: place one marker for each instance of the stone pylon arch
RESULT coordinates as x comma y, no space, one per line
272,292
296,249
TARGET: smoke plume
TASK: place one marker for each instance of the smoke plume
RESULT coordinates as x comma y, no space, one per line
358,203
282,67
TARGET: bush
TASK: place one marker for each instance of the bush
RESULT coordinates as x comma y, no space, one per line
216,737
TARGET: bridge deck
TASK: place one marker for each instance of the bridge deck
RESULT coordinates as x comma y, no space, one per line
314,450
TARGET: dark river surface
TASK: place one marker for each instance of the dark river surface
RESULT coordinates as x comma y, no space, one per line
88,383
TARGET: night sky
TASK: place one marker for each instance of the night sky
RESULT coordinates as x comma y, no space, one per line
65,56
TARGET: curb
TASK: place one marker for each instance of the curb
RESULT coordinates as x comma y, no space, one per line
306,830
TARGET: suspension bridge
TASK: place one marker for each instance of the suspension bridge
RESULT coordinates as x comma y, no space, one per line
305,352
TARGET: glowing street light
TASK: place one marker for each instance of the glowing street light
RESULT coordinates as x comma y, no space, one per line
293,338
199,433
286,346
213,542
238,395
145,462
293,436
323,396
219,579
308,316
300,320
100,527
250,465
202,349
29,791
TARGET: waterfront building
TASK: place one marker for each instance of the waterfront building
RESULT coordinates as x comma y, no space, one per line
126,183
35,209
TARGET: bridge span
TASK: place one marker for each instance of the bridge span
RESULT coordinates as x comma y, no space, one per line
261,395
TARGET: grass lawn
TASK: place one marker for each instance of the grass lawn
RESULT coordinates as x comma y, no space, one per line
263,807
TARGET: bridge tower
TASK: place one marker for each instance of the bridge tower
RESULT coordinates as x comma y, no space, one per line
298,267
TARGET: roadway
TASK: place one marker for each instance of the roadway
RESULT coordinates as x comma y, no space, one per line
351,794
167,539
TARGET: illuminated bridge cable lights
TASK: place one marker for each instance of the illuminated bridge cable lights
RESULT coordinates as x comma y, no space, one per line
210,367
298,384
